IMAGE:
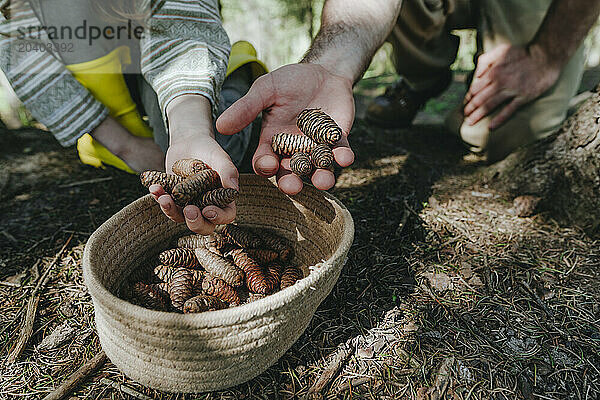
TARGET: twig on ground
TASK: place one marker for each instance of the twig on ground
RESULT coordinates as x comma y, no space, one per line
9,284
34,299
78,376
344,351
124,388
528,290
86,182
352,383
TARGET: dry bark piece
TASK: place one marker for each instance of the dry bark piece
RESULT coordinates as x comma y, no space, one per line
220,267
181,288
291,274
168,182
241,237
193,187
187,167
301,164
263,256
218,197
203,303
277,243
319,126
149,296
322,156
258,278
214,286
286,144
179,257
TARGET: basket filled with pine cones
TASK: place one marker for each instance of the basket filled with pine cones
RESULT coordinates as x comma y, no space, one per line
181,312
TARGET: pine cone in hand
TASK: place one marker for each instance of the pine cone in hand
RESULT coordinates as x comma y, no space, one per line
286,144
291,274
203,303
322,156
168,182
214,286
179,257
220,267
193,187
218,197
301,164
319,126
187,167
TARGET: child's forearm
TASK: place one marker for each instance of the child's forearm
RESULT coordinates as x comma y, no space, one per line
189,117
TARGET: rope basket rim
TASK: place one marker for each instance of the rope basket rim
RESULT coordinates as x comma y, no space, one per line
222,318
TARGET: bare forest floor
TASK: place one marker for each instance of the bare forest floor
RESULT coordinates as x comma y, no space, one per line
446,293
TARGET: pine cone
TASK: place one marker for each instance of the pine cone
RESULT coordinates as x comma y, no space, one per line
179,257
203,303
220,267
277,243
193,187
214,286
276,271
263,256
219,197
319,126
239,236
166,274
291,274
181,287
301,164
188,166
258,279
322,156
195,241
286,144
149,296
168,182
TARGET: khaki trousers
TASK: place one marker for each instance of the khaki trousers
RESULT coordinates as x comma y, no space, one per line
424,48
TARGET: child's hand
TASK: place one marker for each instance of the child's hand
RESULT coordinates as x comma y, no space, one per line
192,137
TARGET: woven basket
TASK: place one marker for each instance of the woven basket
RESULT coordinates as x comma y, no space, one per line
218,349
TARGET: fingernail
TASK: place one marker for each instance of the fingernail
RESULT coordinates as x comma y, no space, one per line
210,214
191,214
166,206
235,183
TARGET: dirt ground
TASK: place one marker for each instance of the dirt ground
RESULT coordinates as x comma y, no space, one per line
446,293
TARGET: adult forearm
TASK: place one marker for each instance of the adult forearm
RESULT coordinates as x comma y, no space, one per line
351,32
564,28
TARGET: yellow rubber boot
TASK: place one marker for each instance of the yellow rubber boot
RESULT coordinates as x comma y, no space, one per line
103,77
243,53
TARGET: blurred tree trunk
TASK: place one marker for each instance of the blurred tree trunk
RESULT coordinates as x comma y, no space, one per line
564,170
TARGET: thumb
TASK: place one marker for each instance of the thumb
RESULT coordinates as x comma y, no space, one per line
241,113
221,162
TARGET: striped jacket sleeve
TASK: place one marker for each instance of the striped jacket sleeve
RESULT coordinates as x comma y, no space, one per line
185,50
41,81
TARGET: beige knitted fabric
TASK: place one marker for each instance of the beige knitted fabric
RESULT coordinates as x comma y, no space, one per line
217,349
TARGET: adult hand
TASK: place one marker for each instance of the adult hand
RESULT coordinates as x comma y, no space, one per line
507,77
281,95
194,139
